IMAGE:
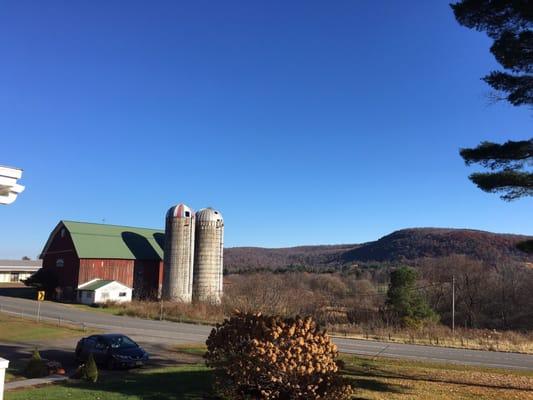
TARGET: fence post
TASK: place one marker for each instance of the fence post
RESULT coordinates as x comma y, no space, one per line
3,366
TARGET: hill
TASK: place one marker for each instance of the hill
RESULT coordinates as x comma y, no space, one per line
400,246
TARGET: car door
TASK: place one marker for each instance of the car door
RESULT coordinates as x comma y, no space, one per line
100,351
87,347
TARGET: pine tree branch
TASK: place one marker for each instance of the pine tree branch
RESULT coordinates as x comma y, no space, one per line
510,155
514,184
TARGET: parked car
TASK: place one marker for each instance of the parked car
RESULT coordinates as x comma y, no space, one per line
111,351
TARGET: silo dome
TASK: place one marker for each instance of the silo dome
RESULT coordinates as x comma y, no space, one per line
180,211
208,215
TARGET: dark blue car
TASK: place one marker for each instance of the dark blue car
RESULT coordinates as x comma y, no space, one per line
111,351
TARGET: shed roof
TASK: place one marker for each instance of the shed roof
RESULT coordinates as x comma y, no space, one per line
112,241
95,284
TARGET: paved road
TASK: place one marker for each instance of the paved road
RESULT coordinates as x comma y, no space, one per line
154,332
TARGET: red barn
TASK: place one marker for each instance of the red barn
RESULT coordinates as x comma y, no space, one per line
78,252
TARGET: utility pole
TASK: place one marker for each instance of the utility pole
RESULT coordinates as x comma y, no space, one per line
453,304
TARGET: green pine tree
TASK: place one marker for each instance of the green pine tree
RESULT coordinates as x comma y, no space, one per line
36,368
90,371
404,300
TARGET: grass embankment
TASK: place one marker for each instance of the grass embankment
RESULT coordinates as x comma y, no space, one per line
475,339
17,330
381,378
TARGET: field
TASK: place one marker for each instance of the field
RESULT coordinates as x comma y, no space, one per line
372,379
15,329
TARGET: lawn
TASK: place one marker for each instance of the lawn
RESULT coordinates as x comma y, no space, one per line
380,378
184,382
15,329
392,379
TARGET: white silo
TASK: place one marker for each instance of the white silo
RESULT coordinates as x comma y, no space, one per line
208,256
179,254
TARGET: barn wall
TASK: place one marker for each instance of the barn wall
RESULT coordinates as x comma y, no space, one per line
61,258
115,270
147,279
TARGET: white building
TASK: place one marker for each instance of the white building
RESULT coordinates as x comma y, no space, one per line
99,291
15,271
9,188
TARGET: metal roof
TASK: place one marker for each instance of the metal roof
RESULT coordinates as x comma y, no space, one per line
208,214
96,284
21,263
112,241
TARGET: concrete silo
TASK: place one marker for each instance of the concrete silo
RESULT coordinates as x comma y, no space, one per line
179,254
208,256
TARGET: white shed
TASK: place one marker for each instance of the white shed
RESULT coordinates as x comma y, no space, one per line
100,291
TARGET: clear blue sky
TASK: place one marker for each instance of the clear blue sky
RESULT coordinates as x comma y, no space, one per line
304,122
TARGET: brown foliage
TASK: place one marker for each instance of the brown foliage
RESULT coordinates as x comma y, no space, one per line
398,247
265,357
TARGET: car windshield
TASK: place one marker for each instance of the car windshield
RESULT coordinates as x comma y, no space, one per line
120,342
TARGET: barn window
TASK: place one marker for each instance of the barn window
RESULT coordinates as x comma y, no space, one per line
122,294
60,263
62,233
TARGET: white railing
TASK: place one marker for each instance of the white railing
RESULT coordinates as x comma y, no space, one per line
9,189
3,366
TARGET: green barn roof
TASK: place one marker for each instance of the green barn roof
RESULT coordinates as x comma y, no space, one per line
113,241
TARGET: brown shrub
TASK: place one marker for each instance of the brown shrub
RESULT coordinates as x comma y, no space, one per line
265,357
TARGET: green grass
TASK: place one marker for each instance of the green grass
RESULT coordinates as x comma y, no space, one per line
15,329
186,382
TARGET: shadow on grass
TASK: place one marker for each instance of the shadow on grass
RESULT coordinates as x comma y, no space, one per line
19,354
188,383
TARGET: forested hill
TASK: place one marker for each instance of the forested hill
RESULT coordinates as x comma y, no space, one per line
400,246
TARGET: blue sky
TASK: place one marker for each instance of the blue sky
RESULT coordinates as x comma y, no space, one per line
304,122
